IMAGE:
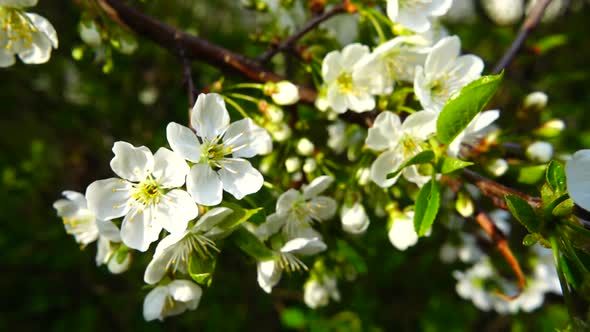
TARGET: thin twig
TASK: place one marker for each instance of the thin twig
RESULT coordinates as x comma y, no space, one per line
499,240
529,24
497,191
195,48
310,25
187,81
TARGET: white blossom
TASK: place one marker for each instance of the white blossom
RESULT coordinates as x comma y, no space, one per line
292,164
540,151
285,93
578,178
349,87
399,142
305,147
145,194
28,35
317,293
504,12
171,299
473,132
354,218
415,14
90,33
269,272
220,152
498,167
444,73
536,100
295,210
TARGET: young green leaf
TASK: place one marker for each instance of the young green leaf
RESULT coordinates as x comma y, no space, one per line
523,212
464,106
556,177
239,216
421,158
201,270
427,204
251,245
447,165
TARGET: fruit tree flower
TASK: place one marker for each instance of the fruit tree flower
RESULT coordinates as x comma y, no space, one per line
220,152
27,35
473,131
269,272
171,299
402,234
415,14
399,142
444,73
317,293
347,86
295,210
174,251
283,92
354,218
540,151
145,195
578,178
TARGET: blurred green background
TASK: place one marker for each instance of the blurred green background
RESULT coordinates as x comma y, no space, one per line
59,121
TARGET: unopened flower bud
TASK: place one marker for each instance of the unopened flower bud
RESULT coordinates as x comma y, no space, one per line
363,175
540,152
498,167
90,34
536,100
504,12
275,114
305,147
280,132
354,219
551,128
292,164
285,93
464,205
310,165
321,103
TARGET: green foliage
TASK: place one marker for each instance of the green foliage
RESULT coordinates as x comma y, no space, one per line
465,105
201,269
448,165
523,212
421,158
427,204
251,245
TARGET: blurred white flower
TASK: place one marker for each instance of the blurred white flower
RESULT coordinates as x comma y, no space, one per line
461,11
171,299
145,195
444,73
219,156
540,151
305,147
399,142
90,33
317,293
498,167
536,100
504,12
415,14
292,164
285,93
402,234
354,218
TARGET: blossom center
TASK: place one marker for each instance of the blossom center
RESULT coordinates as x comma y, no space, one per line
148,192
344,82
213,152
18,29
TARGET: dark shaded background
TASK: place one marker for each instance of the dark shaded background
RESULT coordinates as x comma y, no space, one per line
58,123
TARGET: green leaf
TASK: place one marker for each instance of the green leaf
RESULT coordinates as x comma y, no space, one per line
427,204
531,239
293,318
251,245
564,208
556,177
447,165
201,270
531,174
465,105
239,216
523,212
421,158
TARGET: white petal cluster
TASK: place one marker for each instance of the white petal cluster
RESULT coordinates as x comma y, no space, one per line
354,218
399,142
28,35
578,178
444,73
317,293
171,299
415,15
296,211
218,150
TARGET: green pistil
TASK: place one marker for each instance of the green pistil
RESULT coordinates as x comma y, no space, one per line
148,192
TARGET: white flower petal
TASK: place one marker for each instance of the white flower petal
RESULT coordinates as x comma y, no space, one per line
287,200
44,27
209,115
138,231
304,246
175,209
482,120
352,53
117,268
331,66
103,250
317,186
212,218
443,53
337,101
6,58
420,125
108,230
132,163
321,208
392,9
183,141
109,199
272,225
204,185
354,219
578,178
156,269
154,303
169,168
186,291
39,51
387,162
360,101
239,178
77,198
402,234
385,132
268,275
246,139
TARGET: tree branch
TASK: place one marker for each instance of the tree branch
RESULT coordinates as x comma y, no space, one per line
310,25
529,24
195,48
497,191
